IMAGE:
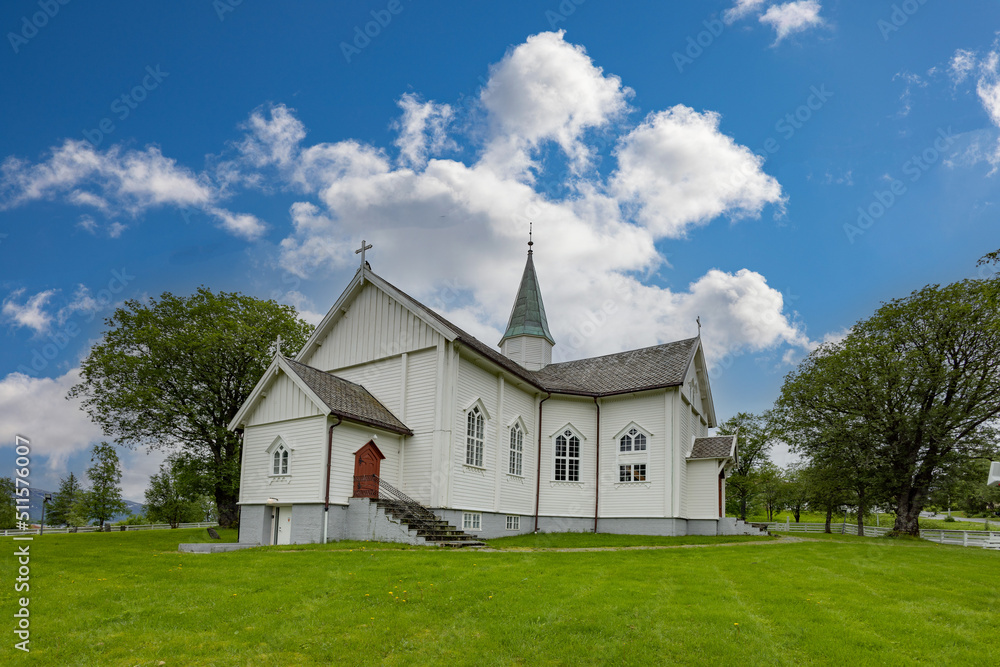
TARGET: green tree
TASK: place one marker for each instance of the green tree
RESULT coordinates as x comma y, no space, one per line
796,489
104,499
755,436
913,384
8,506
62,503
172,373
771,488
169,499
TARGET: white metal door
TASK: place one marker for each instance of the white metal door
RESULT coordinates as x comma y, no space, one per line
283,519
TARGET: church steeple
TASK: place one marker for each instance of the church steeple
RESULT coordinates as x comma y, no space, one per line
527,339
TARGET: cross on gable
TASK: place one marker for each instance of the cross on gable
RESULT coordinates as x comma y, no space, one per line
361,251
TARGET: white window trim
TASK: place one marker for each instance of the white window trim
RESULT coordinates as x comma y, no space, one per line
481,464
277,443
633,481
471,518
513,522
579,458
517,423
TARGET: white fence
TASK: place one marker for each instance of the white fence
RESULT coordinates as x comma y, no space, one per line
965,538
114,529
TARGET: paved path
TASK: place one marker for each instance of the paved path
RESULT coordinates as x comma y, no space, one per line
995,521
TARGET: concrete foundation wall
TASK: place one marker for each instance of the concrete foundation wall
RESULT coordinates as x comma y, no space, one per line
702,527
365,520
254,524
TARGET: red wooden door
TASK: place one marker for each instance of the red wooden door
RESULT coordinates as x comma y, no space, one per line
367,461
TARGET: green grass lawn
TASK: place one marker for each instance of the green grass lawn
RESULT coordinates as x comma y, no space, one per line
605,540
885,520
131,599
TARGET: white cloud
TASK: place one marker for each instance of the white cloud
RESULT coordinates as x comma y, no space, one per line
961,65
422,130
792,17
742,9
546,90
37,408
31,313
451,232
910,81
113,181
682,171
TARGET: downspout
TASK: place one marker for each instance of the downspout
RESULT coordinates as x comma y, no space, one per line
329,457
597,476
538,462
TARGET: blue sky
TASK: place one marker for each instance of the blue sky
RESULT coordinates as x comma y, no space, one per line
777,168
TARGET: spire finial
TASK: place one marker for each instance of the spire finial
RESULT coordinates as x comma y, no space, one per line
530,242
698,320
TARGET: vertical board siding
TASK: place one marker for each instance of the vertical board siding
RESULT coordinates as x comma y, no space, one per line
687,441
284,400
307,439
381,378
625,500
347,439
517,494
563,498
421,376
703,489
375,326
472,488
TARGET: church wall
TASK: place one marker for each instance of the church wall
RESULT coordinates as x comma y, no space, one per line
703,489
375,326
349,438
284,400
473,488
634,499
382,378
687,417
306,438
418,466
517,494
563,498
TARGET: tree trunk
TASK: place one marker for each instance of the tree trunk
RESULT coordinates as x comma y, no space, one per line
798,511
829,518
743,508
907,517
229,511
861,515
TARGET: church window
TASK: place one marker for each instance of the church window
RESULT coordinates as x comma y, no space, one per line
632,473
516,450
474,437
513,522
567,462
279,461
633,441
472,521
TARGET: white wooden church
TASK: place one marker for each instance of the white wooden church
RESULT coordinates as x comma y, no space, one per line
394,424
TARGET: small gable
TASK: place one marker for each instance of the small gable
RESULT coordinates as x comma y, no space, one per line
282,399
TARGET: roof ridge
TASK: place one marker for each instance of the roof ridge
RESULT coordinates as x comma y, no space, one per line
614,354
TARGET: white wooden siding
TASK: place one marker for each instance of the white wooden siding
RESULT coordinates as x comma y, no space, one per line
473,488
517,494
349,438
375,326
687,441
420,409
383,379
306,438
636,499
703,489
284,400
568,498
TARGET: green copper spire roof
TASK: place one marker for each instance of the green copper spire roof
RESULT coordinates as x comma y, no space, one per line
528,316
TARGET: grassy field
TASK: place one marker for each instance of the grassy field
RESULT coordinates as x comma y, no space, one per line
131,599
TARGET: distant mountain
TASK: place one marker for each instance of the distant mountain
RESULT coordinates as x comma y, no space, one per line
38,496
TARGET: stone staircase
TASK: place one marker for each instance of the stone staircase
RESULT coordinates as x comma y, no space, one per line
429,526
732,526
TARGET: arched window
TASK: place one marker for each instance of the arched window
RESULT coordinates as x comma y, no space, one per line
279,461
633,441
474,437
567,457
516,450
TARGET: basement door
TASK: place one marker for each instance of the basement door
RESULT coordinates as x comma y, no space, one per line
283,525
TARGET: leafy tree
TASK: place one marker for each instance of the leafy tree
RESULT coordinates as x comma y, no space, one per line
796,489
172,373
908,387
8,506
755,436
62,503
771,487
991,258
104,499
169,499
825,484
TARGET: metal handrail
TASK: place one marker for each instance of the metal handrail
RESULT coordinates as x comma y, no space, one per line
387,491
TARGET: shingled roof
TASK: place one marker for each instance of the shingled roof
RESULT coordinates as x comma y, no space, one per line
636,370
527,317
715,447
621,373
348,400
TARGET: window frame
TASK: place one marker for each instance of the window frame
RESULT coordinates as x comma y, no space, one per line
629,473
472,521
475,438
515,455
513,522
568,434
279,459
